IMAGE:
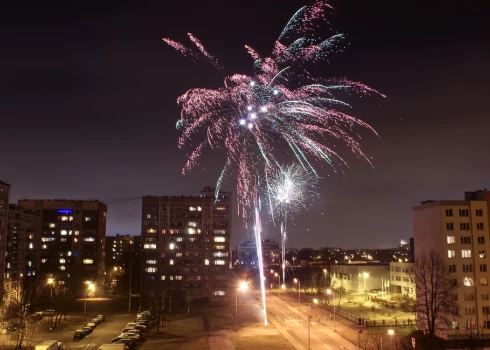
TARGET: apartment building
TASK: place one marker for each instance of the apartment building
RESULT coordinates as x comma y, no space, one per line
72,238
459,231
247,253
4,207
187,243
22,254
402,280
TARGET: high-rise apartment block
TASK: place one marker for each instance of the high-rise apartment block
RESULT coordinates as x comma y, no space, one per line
459,231
4,207
72,238
187,242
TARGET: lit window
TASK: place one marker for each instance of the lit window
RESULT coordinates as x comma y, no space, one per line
219,292
192,224
162,277
171,262
52,225
43,261
69,253
178,255
191,231
88,218
199,208
44,246
150,246
62,268
152,230
219,247
219,262
206,262
63,239
64,232
88,261
468,282
75,240
151,262
451,254
62,261
148,216
77,233
151,269
220,239
178,278
466,253
70,232
171,246
451,240
89,239
482,253
220,208
192,208
31,246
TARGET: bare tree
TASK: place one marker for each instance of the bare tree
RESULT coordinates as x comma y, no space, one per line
434,290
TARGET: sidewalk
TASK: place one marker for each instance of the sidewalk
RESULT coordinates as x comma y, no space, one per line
319,317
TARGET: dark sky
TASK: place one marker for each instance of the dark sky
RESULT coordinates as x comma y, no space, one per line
88,92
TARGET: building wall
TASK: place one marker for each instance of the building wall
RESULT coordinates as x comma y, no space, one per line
187,243
351,277
72,239
402,280
463,241
4,207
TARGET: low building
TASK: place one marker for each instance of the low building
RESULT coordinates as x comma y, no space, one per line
247,253
361,277
402,280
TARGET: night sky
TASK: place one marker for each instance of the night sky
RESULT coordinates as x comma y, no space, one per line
88,105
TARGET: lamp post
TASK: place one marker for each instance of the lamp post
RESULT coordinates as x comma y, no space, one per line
90,286
299,292
390,332
242,287
329,291
315,301
51,282
365,275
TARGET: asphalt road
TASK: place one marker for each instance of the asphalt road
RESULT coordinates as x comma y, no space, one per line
102,334
297,327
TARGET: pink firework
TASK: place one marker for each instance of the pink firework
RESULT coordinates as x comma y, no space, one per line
282,106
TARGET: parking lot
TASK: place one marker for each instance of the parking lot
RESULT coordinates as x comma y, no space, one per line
102,334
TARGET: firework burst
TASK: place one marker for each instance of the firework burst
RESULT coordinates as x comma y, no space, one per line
289,190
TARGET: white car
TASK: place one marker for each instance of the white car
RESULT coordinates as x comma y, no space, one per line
130,335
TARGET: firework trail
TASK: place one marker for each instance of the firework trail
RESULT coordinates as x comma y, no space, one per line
282,106
288,191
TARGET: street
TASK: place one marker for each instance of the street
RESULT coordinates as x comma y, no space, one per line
102,334
295,323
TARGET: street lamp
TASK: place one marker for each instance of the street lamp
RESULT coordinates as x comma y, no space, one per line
329,291
315,301
299,292
365,275
242,287
91,287
51,282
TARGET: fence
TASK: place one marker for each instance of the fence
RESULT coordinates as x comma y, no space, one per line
366,322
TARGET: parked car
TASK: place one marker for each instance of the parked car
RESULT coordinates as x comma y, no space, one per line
87,330
49,312
79,334
101,318
128,329
128,342
130,335
91,325
96,321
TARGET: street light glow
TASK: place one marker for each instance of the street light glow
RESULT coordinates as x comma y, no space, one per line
242,286
329,291
50,280
391,332
365,274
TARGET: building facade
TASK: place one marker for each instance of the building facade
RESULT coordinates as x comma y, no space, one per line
458,231
72,238
247,253
402,280
4,207
360,277
22,258
187,243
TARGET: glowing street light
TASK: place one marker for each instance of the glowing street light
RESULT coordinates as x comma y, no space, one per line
242,287
365,275
51,282
299,292
91,287
390,332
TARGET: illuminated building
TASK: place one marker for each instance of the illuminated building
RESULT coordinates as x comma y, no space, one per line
72,238
458,230
186,243
4,206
